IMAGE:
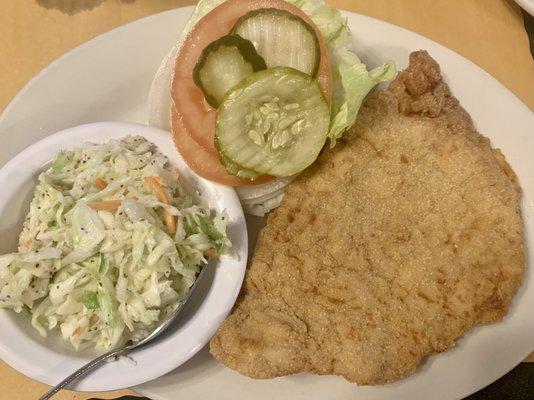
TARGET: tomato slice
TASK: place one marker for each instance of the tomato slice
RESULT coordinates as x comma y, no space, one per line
204,163
196,116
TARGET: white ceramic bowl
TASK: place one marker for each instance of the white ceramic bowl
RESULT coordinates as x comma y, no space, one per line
50,360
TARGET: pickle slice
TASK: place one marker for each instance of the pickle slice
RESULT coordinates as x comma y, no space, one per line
275,122
282,39
223,64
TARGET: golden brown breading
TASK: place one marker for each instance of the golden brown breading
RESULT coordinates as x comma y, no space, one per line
391,246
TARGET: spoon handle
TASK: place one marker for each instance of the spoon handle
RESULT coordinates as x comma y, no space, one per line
82,371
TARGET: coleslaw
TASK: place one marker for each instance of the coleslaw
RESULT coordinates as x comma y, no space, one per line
110,246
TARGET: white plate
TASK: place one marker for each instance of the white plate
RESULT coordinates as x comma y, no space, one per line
109,77
51,360
527,5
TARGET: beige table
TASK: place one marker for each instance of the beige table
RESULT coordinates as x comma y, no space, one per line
34,32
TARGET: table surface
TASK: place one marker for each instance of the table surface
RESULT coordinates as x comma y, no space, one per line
35,32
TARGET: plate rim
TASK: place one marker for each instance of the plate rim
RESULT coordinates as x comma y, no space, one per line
518,103
72,52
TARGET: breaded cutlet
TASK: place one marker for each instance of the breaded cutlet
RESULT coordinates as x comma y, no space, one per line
396,242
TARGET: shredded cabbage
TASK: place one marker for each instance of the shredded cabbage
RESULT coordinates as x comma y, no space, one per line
105,276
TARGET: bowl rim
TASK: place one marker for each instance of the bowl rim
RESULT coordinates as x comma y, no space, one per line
37,361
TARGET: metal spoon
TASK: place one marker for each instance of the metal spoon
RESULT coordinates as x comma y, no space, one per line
128,347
